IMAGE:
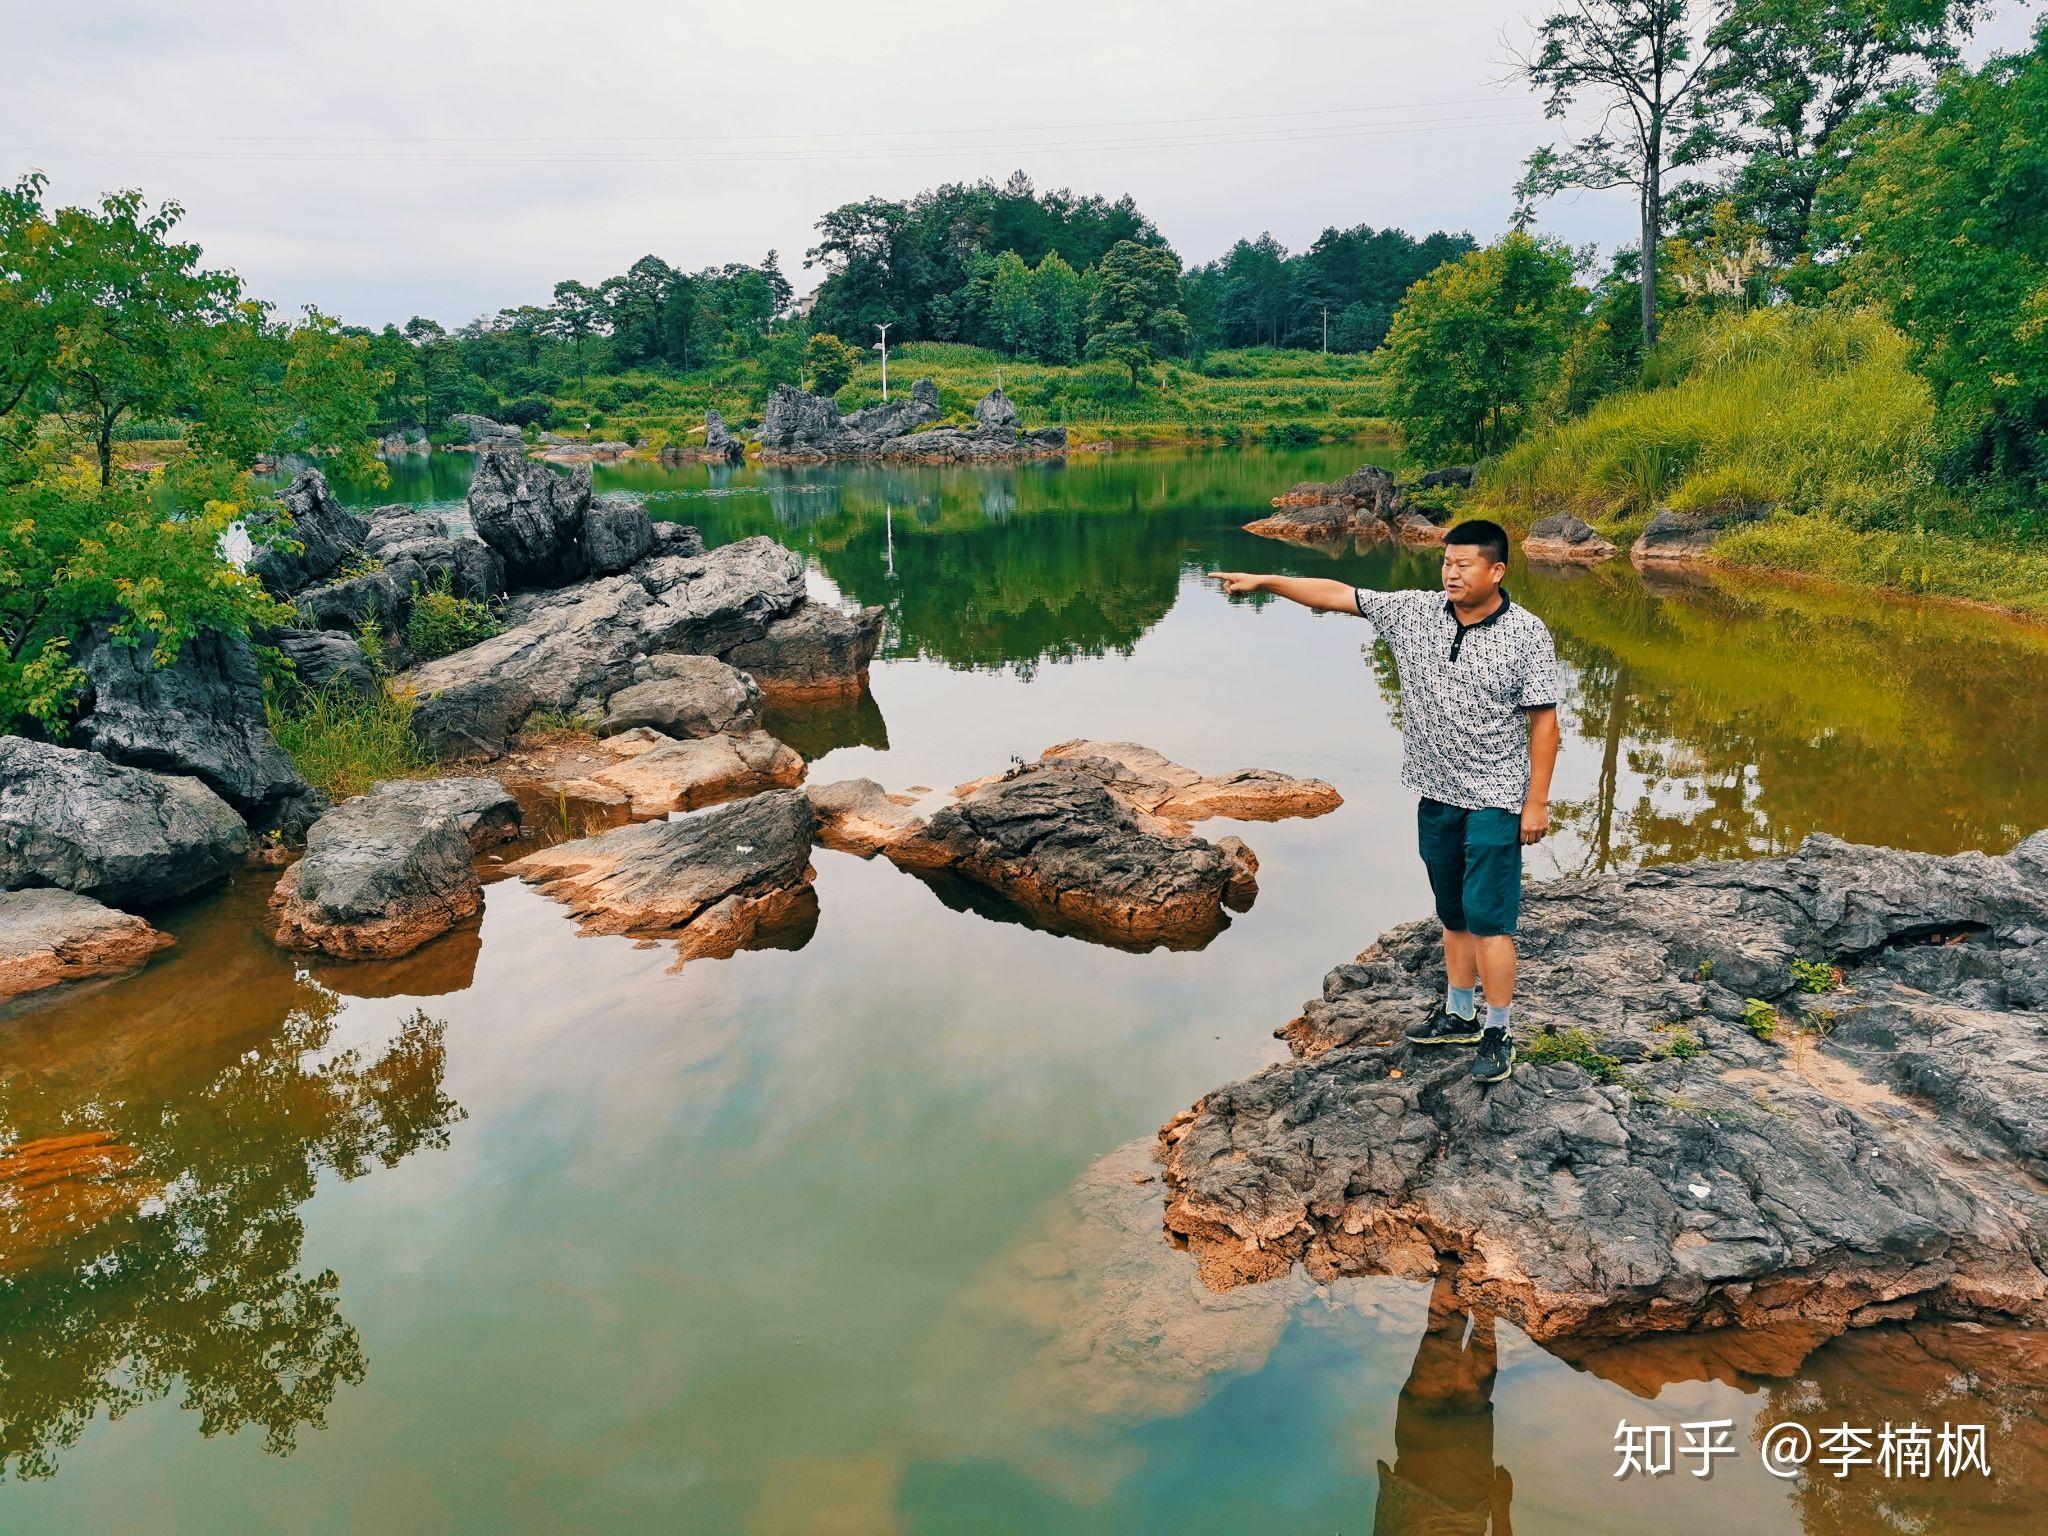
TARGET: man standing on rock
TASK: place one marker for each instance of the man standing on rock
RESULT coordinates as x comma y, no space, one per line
1473,666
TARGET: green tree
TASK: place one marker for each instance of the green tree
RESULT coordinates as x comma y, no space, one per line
1013,318
1060,295
1793,79
829,362
1941,218
1475,344
1645,66
1134,316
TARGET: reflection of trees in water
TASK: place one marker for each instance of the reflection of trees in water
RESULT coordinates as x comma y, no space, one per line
1732,720
173,1254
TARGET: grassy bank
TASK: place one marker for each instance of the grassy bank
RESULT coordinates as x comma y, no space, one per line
1255,395
1810,416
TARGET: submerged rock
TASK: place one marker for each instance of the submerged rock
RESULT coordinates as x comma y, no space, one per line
859,816
202,716
1695,1137
1675,538
49,937
1562,539
730,878
120,835
389,870
314,540
816,652
649,774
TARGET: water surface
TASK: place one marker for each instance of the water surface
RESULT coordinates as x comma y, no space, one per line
531,1231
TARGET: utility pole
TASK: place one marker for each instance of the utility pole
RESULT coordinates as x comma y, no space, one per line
1326,330
882,347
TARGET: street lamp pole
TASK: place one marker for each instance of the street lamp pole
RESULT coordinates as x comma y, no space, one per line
882,347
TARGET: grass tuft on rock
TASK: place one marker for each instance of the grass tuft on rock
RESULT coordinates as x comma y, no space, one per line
1575,1045
342,742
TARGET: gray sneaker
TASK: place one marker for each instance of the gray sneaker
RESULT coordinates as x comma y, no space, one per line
1443,1027
1495,1058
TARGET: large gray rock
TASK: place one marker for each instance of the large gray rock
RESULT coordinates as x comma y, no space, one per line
202,716
571,650
120,835
818,651
49,937
995,415
1562,539
685,696
404,540
307,540
389,870
486,433
475,718
1687,538
531,516
381,597
323,661
873,425
797,425
1709,1142
677,538
719,442
617,533
733,877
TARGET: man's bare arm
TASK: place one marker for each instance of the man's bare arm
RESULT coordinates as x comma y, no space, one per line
1542,760
1317,592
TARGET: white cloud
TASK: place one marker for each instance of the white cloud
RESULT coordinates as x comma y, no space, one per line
389,157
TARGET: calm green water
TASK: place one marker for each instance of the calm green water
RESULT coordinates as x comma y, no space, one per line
530,1232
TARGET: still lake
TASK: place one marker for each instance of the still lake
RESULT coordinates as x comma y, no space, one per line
531,1232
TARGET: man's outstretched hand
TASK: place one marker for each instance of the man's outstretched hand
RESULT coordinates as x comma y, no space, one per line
1236,583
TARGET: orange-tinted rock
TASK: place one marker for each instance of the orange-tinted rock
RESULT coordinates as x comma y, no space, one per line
49,937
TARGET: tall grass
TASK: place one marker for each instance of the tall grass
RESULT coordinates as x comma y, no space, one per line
1809,416
1797,410
342,742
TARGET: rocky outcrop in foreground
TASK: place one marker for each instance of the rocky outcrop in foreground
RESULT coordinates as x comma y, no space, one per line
49,937
734,877
1699,1135
1080,841
389,870
1365,504
124,836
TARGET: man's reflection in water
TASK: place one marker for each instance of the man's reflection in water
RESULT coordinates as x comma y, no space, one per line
1443,1481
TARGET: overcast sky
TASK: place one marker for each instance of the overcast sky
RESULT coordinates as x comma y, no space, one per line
385,158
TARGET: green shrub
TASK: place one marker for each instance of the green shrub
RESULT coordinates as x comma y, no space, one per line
1575,1045
342,742
1759,1018
443,623
1679,1043
1816,976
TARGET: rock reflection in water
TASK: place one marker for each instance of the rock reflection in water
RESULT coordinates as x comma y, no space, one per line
151,1176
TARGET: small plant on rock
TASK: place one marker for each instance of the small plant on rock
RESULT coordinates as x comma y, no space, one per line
1575,1045
1816,976
1759,1018
1679,1043
443,623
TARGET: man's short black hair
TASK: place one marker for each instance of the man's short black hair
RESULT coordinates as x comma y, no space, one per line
1488,536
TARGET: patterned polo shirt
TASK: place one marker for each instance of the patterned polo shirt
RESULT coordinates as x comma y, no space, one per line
1464,689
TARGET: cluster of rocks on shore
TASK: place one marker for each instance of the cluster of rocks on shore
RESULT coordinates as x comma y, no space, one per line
1807,1090
800,427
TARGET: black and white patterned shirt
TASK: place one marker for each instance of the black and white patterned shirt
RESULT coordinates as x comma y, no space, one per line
1464,689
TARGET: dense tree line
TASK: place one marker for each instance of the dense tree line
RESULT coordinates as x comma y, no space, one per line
1350,280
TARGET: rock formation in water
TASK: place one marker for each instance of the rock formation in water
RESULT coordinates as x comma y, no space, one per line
49,937
532,517
720,446
465,565
684,696
734,877
1686,538
1091,840
1365,504
798,426
486,433
387,871
572,650
313,538
202,715
1707,1127
124,836
647,773
816,652
1562,539
393,445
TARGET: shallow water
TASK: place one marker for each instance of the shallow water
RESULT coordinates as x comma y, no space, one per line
530,1231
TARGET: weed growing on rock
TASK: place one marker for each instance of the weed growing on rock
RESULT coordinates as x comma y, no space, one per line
1575,1045
1759,1018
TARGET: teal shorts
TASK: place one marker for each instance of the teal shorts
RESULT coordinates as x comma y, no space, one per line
1474,860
